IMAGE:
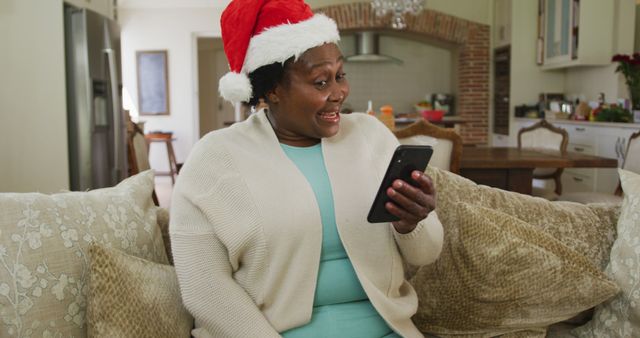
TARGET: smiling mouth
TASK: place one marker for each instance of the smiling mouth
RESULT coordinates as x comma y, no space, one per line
330,117
332,114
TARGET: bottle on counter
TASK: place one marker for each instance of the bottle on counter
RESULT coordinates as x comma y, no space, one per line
386,116
601,105
370,110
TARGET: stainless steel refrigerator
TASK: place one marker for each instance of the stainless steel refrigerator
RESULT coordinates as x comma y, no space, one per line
95,118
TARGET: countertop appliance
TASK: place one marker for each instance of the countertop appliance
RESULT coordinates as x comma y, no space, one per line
444,102
95,118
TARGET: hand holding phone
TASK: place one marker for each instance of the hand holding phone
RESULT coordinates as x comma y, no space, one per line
406,159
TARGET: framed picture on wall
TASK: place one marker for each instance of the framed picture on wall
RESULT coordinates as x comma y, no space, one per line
153,82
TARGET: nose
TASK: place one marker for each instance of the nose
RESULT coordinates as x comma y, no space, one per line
339,92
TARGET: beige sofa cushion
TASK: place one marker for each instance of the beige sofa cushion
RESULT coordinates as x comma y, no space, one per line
43,251
620,316
587,229
498,274
133,297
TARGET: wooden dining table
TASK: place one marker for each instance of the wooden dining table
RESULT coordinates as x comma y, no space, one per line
512,168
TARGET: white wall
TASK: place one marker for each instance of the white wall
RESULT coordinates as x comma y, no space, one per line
33,130
636,44
588,82
173,29
474,10
501,32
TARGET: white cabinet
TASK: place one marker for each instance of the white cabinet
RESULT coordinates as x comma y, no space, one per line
573,181
612,142
577,32
600,139
604,141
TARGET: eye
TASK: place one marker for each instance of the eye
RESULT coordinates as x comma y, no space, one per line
321,84
341,76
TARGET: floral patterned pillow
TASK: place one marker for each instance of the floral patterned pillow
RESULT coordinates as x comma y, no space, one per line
43,251
620,316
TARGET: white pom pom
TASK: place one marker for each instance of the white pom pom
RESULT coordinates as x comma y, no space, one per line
235,87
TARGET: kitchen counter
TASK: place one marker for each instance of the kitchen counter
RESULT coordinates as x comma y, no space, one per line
447,121
583,123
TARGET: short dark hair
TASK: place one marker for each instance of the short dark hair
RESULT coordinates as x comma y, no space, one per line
264,79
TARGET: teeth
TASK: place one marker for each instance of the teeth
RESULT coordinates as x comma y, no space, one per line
332,114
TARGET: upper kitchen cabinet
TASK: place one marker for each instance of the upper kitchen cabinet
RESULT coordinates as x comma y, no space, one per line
576,32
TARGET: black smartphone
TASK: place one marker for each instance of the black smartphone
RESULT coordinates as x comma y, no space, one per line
406,159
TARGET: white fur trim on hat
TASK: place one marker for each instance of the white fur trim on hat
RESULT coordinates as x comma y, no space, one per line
235,87
278,43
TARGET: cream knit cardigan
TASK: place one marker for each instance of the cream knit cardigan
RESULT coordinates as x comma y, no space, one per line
246,231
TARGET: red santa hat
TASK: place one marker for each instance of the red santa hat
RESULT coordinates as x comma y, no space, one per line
257,33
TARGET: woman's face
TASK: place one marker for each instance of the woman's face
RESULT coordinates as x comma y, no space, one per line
305,107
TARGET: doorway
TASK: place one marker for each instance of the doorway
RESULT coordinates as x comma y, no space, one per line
214,112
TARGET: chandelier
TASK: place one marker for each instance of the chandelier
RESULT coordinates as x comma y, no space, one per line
399,8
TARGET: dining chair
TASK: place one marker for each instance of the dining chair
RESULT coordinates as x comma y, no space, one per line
138,152
631,163
544,135
446,143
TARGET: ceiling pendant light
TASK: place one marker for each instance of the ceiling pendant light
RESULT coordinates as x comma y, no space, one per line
399,8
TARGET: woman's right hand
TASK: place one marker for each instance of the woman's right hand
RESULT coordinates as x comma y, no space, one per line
411,204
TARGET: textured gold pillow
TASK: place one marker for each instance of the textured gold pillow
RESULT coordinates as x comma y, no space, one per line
620,316
43,251
133,297
587,229
498,274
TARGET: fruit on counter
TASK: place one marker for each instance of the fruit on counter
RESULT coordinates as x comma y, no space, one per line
594,113
582,111
423,105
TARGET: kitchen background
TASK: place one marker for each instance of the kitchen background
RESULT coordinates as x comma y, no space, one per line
426,69
33,134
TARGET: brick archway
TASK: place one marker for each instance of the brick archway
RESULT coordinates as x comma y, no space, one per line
472,42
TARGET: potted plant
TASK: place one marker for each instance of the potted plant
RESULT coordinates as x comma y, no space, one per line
629,66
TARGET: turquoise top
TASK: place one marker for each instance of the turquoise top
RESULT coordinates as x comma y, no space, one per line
341,308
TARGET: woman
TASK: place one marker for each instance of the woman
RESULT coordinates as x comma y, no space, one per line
268,226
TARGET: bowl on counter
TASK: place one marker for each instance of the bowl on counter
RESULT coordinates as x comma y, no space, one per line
432,115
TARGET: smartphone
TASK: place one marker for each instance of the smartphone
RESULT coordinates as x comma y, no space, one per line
406,159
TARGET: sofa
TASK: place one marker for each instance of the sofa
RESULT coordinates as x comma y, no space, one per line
98,264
